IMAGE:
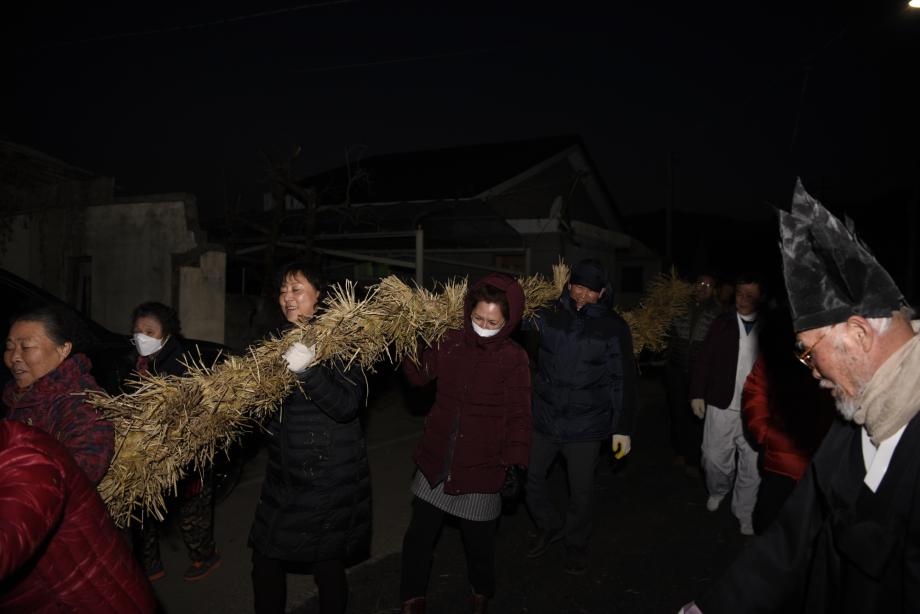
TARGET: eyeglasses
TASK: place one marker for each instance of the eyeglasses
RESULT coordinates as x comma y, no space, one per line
704,284
805,356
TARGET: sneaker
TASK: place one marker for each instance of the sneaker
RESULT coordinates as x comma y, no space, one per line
542,541
712,503
747,528
200,569
575,562
155,572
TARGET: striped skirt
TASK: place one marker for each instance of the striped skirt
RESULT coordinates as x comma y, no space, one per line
470,506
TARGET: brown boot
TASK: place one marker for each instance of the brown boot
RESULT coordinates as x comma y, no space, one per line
480,603
416,605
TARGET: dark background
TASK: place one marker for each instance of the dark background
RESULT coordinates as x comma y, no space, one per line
733,100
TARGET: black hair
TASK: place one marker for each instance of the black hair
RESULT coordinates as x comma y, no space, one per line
164,314
752,278
488,294
310,273
61,326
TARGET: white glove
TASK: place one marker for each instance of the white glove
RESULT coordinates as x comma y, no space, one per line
299,357
699,407
621,445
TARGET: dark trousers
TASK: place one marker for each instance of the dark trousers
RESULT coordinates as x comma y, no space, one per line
269,584
686,429
418,550
581,461
196,525
774,489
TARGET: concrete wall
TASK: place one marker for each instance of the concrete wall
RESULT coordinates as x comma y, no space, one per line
127,252
39,246
202,300
131,247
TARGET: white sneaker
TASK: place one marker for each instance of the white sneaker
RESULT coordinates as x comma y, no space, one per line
747,528
712,503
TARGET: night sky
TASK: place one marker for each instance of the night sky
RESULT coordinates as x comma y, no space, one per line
186,99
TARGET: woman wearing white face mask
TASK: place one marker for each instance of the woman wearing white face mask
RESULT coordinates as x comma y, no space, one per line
476,441
157,341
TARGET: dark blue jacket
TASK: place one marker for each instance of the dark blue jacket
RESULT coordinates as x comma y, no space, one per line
585,385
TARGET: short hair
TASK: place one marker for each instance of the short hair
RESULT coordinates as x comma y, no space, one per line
751,278
60,324
164,314
486,293
309,271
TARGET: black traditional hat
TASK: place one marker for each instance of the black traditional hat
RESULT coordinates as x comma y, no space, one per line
830,274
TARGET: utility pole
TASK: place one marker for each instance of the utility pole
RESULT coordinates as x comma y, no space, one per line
669,214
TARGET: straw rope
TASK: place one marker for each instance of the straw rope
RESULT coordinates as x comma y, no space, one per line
170,425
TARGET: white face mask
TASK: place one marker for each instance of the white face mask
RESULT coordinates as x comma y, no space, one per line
147,345
484,332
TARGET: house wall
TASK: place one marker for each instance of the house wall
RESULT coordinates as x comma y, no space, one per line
39,246
202,302
130,246
106,259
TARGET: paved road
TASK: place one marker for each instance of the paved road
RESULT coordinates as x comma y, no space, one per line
654,547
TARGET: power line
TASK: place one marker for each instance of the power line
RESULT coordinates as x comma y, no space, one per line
416,58
196,26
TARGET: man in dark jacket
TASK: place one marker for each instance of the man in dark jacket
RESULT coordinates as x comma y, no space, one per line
848,539
684,340
584,393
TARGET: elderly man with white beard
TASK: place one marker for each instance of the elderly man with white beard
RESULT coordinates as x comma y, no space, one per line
848,539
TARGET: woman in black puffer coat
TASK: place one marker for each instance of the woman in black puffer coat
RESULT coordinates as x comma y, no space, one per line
315,505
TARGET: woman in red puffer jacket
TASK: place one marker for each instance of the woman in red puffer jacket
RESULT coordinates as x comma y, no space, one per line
59,550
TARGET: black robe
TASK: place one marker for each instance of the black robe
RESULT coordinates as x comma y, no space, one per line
836,546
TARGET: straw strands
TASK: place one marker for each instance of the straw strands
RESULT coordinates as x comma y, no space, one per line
666,297
170,425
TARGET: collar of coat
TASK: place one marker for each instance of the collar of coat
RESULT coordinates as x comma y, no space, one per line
71,376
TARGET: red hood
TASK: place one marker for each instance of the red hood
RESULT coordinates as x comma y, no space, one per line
515,295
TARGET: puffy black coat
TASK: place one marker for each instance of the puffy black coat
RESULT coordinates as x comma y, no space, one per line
316,499
585,385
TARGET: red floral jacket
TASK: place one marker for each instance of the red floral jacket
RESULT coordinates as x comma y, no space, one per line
56,404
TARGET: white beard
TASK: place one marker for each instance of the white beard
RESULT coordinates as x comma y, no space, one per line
847,405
